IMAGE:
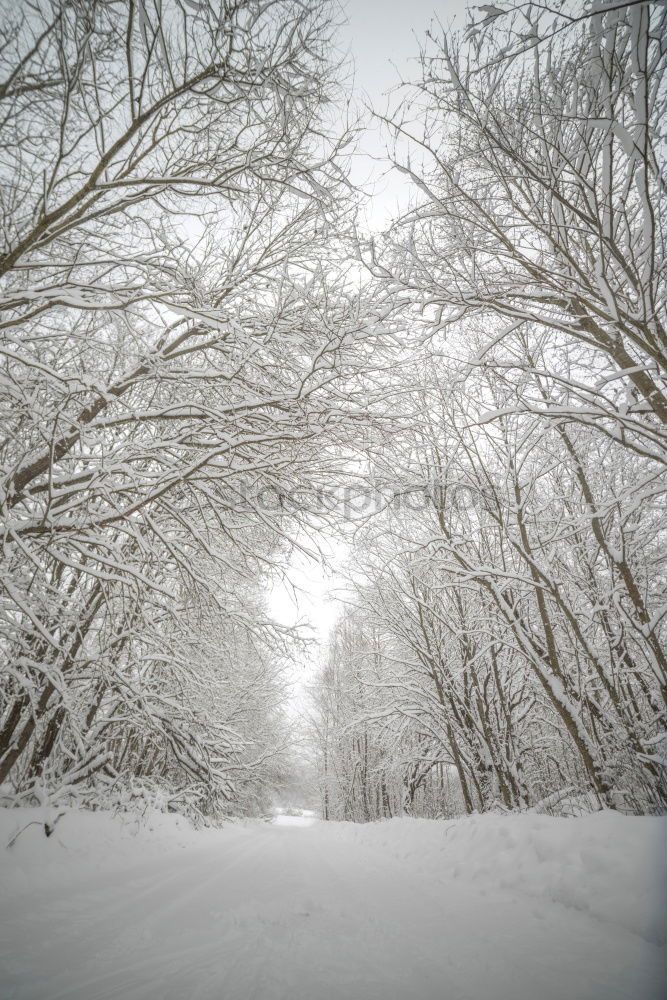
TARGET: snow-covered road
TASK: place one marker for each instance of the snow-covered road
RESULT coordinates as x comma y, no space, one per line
304,912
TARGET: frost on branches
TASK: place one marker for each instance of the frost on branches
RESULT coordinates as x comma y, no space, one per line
199,340
506,646
174,321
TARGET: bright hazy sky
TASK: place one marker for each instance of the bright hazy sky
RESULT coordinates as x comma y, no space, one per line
381,33
383,40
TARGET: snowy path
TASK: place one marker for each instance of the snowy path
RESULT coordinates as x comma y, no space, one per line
289,911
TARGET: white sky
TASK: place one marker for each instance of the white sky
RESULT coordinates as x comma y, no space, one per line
310,596
311,601
383,41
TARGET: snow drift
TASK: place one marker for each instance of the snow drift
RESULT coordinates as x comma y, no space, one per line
486,908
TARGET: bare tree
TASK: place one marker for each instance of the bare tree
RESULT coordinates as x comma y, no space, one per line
543,196
176,319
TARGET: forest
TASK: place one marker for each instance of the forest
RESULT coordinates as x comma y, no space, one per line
209,360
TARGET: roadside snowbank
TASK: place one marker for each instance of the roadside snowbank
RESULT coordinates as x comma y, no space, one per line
610,866
487,908
85,843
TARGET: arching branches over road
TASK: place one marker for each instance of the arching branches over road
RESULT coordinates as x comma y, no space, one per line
542,194
178,351
514,584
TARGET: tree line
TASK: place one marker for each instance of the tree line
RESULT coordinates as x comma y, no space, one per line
504,643
192,320
174,318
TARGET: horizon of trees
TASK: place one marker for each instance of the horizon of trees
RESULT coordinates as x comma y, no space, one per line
198,340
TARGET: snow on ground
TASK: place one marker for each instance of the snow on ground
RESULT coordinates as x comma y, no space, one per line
609,866
486,908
